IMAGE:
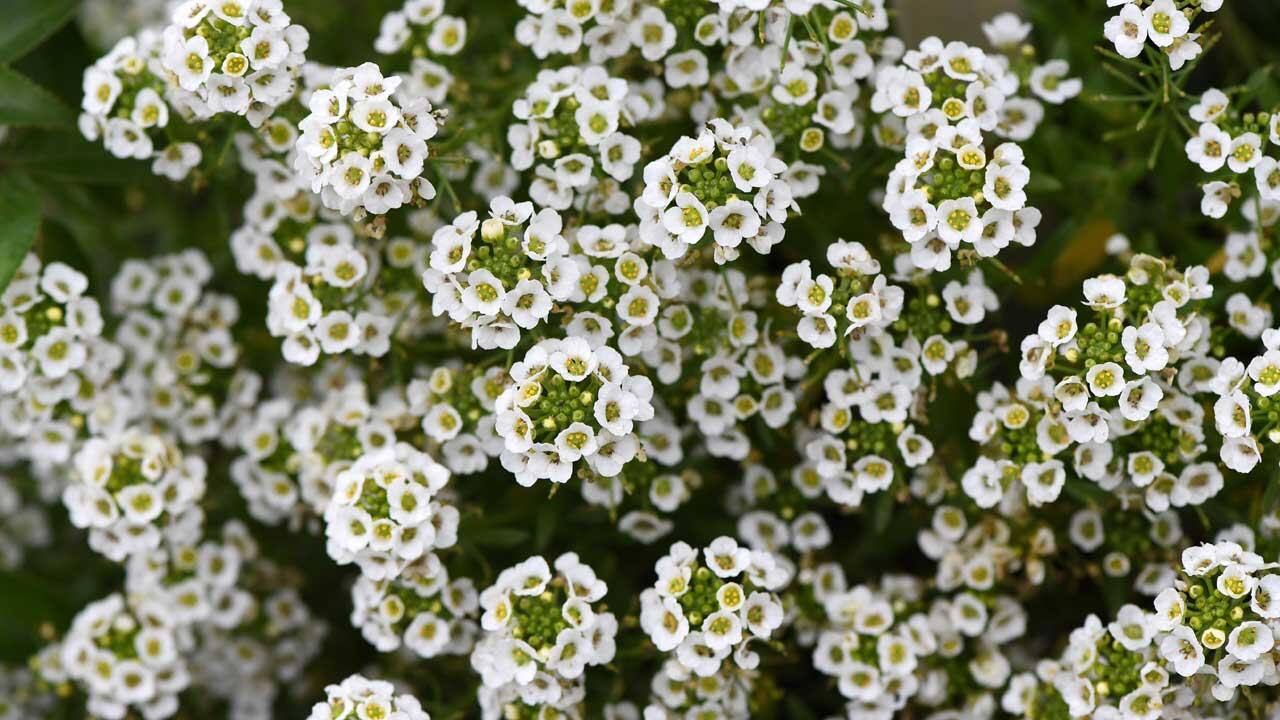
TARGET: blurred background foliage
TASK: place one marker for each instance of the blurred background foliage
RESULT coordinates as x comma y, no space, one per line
1107,162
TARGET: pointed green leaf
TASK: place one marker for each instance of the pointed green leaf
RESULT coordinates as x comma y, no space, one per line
19,222
26,104
26,23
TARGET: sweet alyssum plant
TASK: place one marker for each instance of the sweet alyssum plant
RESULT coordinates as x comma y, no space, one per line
395,360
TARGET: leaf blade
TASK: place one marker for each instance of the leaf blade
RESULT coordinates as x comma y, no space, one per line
73,160
29,23
25,104
19,222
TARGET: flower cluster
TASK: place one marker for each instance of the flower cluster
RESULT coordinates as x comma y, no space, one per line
134,491
1103,387
571,121
507,282
710,330
1214,623
1164,23
47,324
260,636
1221,615
726,181
182,363
457,408
542,629
293,451
233,56
676,691
125,104
125,656
951,190
568,402
421,28
863,302
856,455
619,277
708,608
947,196
363,147
421,609
1244,392
1022,112
384,512
870,650
327,304
1228,144
607,29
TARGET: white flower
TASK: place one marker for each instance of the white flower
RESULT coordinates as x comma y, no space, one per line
1232,415
1236,581
1211,105
725,558
1170,608
1217,198
652,33
1265,372
687,221
1265,598
914,215
1043,481
1250,640
722,630
188,59
58,352
1145,348
350,528
177,161
733,222
1105,379
1059,327
958,221
1132,628
663,620
748,169
1128,30
1104,292
1209,148
337,332
352,175
483,293
1164,22
1050,83
1005,186
686,69
1245,152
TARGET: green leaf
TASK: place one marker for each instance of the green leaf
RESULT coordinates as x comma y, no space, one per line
72,159
28,22
19,222
26,104
1263,86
